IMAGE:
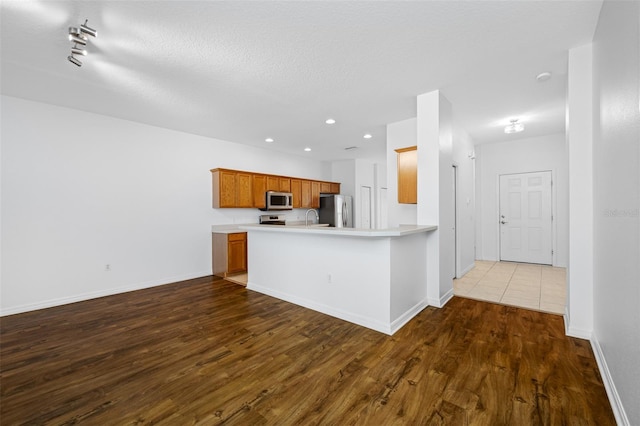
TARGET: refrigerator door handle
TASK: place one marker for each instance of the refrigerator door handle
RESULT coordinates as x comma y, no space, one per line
345,215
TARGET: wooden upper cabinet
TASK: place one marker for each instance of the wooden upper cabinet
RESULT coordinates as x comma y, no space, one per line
305,190
325,187
224,188
296,190
244,192
315,194
259,189
273,183
285,184
408,175
234,188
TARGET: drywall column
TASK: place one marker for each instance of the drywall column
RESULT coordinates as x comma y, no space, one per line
579,312
435,196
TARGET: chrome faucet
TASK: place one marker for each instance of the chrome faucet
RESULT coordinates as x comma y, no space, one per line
306,216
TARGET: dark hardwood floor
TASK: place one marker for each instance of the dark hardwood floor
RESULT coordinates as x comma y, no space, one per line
208,351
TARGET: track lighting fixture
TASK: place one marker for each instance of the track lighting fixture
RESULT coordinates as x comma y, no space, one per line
78,35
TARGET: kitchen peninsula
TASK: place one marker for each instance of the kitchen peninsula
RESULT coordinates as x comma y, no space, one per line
372,277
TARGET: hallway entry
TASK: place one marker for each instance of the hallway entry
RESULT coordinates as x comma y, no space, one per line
525,218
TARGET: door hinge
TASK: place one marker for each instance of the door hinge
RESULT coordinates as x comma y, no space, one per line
551,251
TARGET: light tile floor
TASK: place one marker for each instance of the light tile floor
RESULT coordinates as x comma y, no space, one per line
239,279
538,287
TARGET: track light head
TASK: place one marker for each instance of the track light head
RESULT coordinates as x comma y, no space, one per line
76,36
73,60
88,30
78,51
78,40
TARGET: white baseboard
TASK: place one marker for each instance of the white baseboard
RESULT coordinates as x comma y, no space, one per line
612,393
467,269
96,294
408,316
443,300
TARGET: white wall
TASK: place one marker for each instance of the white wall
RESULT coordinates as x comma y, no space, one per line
435,194
399,135
521,156
354,174
579,143
81,190
616,176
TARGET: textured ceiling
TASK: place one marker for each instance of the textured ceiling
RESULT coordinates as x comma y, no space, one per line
246,70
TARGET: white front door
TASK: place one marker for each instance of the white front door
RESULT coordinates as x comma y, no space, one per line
525,218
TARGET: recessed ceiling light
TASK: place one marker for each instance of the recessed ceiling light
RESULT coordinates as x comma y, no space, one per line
307,149
514,127
367,136
330,121
543,76
269,140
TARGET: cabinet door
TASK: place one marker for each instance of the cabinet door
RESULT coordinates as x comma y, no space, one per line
408,175
335,188
273,183
226,189
244,194
315,195
259,189
237,253
296,190
325,187
285,184
305,197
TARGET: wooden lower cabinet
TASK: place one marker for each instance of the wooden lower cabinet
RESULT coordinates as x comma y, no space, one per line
229,253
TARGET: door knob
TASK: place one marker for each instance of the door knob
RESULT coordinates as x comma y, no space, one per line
503,222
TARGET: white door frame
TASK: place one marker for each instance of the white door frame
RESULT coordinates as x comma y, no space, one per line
456,218
554,230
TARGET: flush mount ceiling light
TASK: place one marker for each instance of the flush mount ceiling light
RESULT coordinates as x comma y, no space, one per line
330,121
307,149
367,136
269,140
78,36
514,127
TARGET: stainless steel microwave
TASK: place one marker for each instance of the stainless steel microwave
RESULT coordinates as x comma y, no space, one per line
278,201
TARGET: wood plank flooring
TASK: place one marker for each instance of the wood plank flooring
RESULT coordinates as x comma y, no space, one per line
208,351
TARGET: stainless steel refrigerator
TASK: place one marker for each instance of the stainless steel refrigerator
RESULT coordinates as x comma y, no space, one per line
336,210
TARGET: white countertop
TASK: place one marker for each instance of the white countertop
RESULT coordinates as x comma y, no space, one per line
399,231
227,229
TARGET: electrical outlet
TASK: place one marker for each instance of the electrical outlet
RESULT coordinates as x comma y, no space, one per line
107,267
